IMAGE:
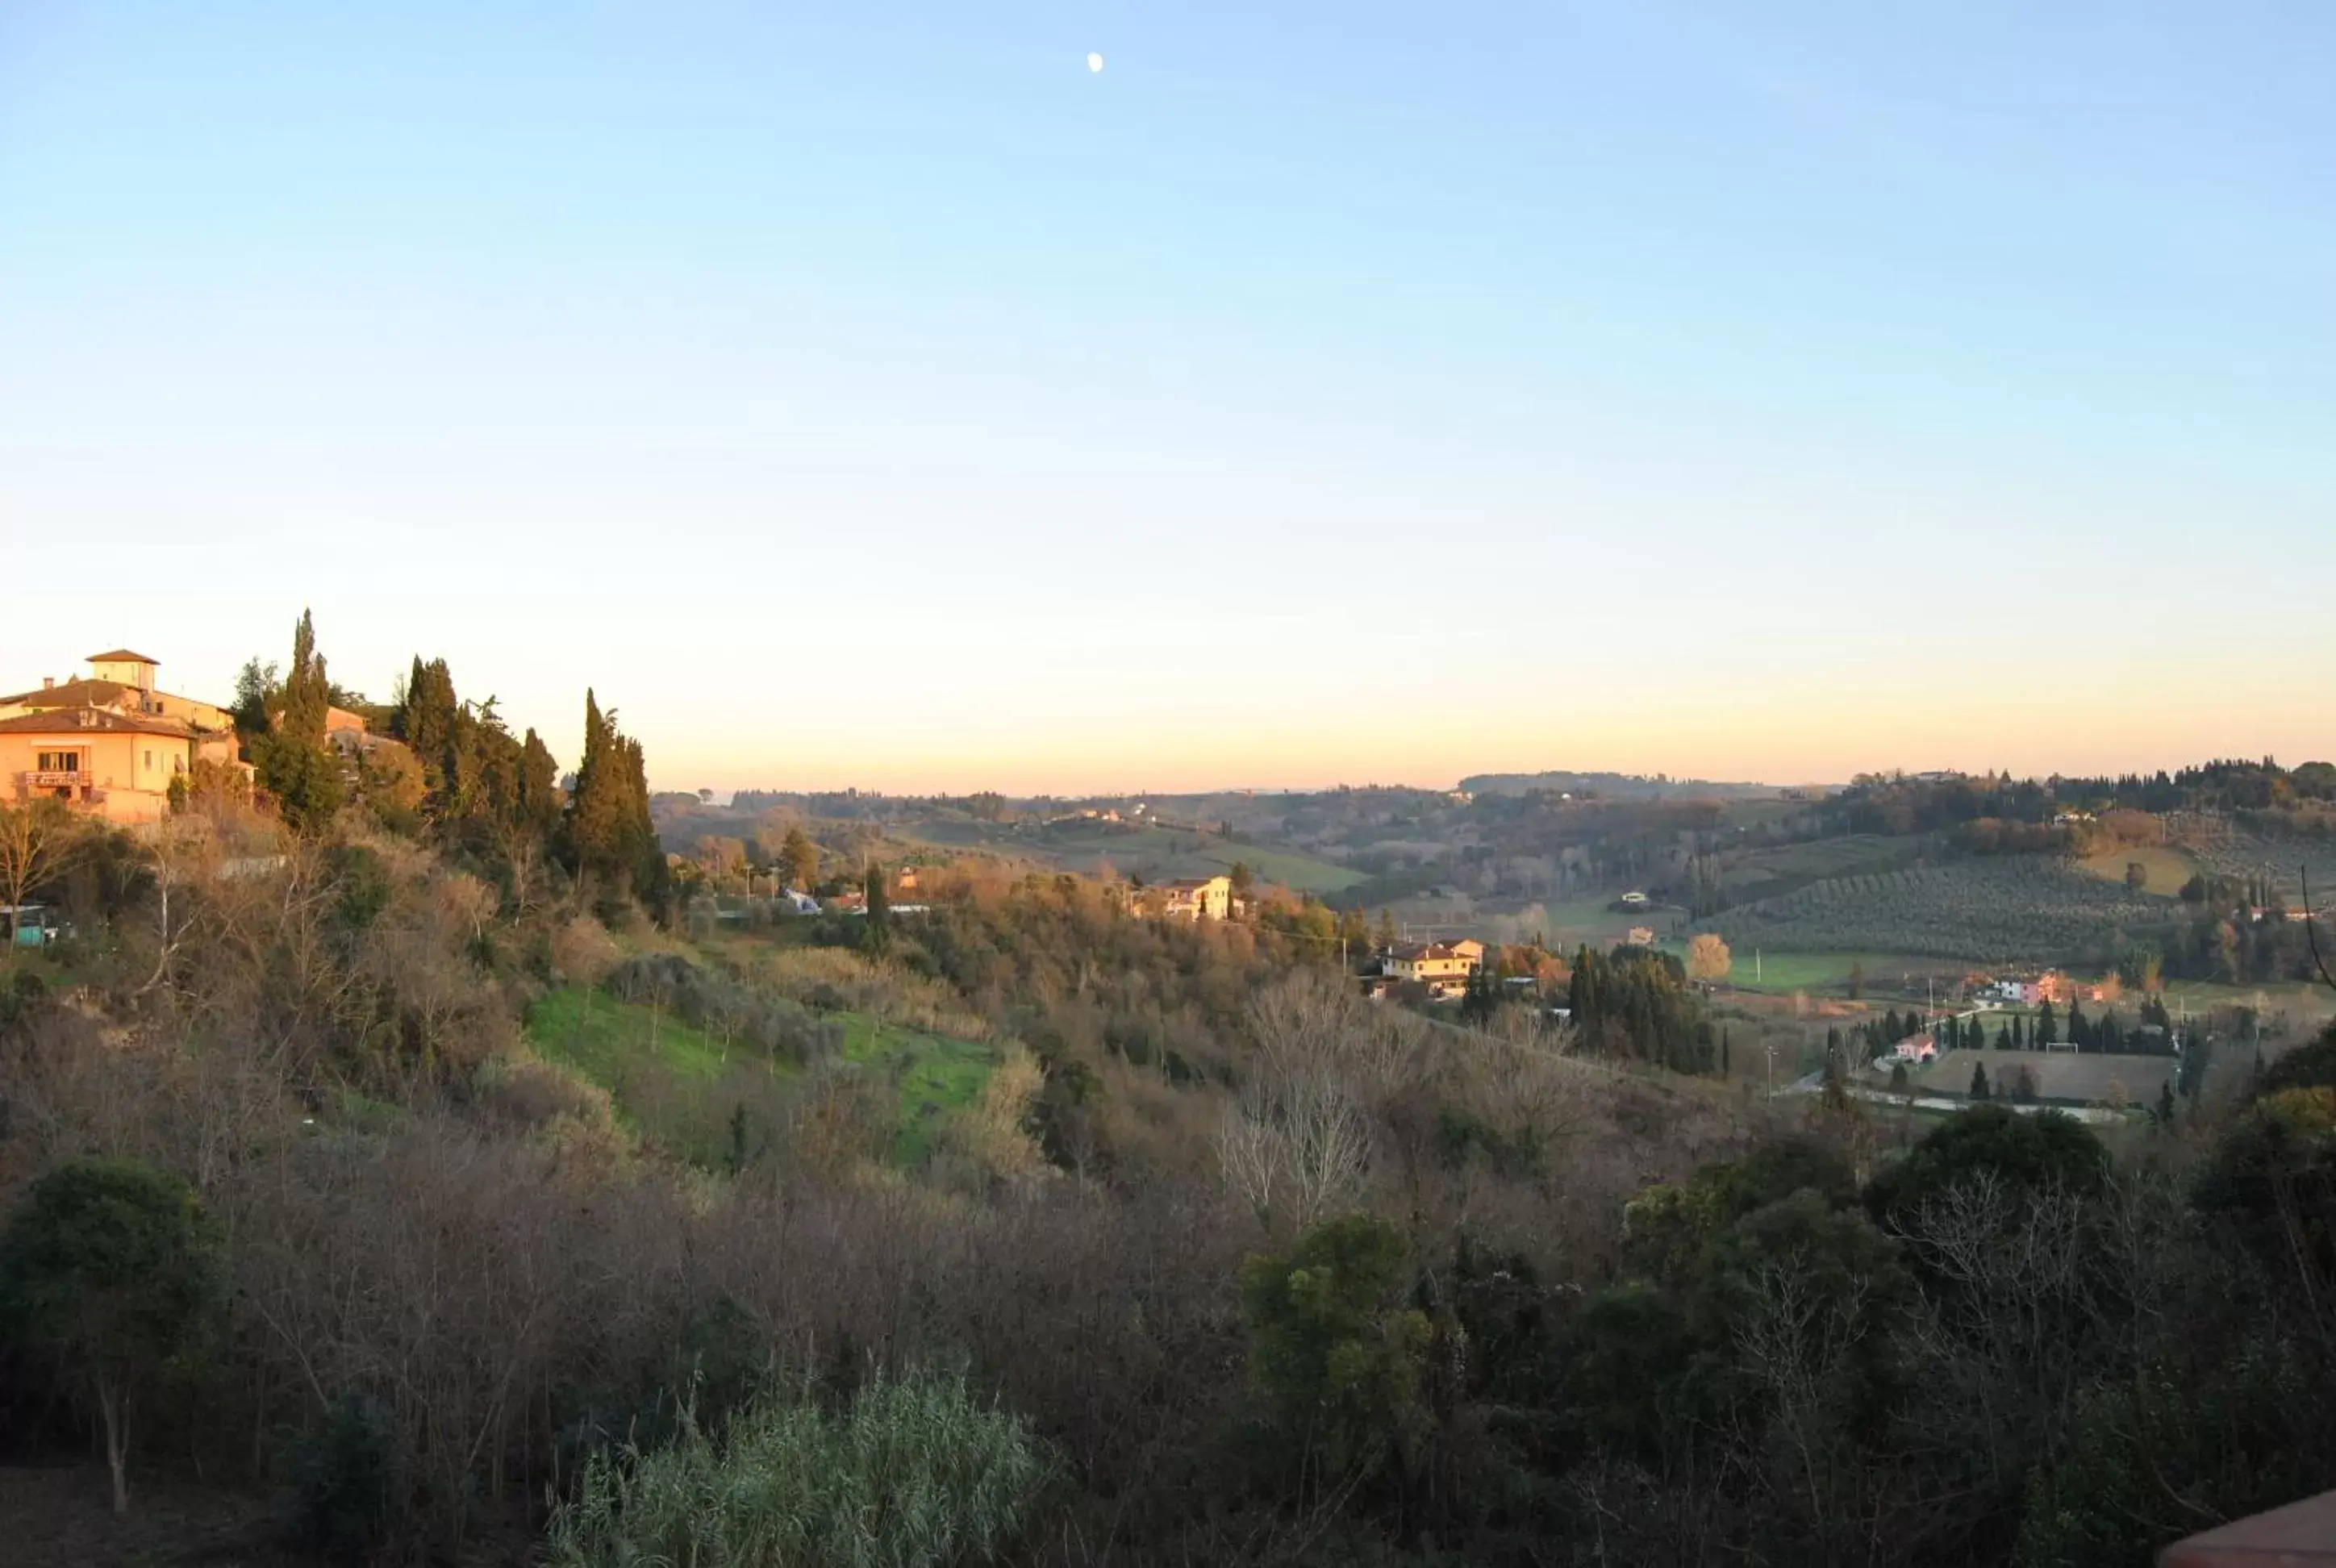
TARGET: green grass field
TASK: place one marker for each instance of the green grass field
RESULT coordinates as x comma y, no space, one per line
1819,971
937,1075
2167,867
600,1036
594,1033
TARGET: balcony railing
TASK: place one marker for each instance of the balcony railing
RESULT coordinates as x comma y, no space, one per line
39,782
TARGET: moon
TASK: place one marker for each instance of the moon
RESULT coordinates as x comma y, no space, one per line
1094,62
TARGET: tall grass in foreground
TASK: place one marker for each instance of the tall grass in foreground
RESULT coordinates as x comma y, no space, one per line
915,1475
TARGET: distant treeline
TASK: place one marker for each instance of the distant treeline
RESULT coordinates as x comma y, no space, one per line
2024,810
1627,786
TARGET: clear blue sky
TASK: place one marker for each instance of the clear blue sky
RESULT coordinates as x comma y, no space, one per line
871,395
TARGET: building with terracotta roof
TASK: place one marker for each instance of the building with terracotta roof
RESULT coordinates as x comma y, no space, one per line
109,742
1443,967
1200,899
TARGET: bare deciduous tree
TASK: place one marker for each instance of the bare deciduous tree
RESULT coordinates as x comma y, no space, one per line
39,841
1298,1148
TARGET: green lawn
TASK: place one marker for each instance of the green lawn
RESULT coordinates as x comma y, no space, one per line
2167,867
937,1074
2308,1003
593,1032
1819,971
596,1034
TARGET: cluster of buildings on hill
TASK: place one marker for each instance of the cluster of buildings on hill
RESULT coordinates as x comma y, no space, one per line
111,743
2049,986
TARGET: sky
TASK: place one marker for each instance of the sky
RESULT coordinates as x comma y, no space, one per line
872,395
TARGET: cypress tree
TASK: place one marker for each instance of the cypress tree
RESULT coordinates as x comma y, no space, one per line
879,908
428,722
293,763
1979,1090
1835,1089
539,786
599,814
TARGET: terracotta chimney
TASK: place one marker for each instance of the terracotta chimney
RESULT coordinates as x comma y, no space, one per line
48,682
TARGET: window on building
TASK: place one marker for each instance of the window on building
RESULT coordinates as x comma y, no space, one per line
60,762
150,762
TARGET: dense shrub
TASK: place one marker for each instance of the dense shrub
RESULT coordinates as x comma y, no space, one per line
2026,1152
347,1481
1335,1349
916,1472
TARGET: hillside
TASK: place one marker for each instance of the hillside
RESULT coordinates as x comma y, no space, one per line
2008,910
671,1080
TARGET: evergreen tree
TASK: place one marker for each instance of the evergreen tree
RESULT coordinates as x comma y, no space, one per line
2048,1026
610,834
596,808
799,858
428,722
1636,1002
1476,996
2004,1041
879,908
1834,1090
292,759
2080,1028
2166,1103
1979,1081
539,786
113,1272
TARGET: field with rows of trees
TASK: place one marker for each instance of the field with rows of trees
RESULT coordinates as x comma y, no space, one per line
1998,910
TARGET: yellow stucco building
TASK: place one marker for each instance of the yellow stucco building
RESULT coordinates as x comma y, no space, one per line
109,742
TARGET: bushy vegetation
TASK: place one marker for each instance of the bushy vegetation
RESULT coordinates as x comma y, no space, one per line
914,1473
1230,1265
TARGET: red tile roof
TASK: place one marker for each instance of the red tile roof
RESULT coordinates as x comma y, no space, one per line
94,721
72,693
122,655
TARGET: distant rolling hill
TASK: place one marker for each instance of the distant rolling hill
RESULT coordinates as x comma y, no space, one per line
1615,784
